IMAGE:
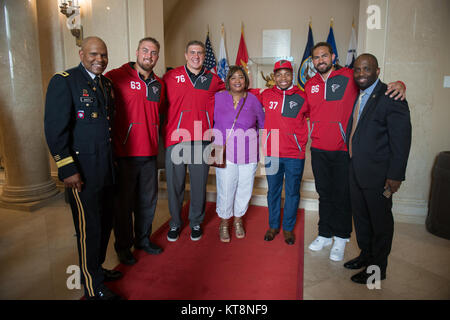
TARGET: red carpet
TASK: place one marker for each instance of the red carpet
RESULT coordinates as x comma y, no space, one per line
243,269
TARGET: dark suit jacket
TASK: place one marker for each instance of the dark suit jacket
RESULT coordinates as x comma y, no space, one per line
78,119
382,139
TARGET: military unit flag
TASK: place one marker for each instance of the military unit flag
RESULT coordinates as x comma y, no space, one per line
351,53
222,67
242,54
306,70
332,42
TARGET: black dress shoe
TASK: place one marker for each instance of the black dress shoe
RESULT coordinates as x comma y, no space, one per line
111,275
356,263
104,293
363,276
289,237
151,248
126,257
270,234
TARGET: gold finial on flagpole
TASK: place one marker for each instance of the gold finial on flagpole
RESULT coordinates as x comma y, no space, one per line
207,28
353,22
222,31
331,22
242,26
310,21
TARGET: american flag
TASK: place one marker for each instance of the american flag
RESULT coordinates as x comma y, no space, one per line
210,58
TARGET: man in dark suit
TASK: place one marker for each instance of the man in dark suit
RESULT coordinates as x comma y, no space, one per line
78,115
379,139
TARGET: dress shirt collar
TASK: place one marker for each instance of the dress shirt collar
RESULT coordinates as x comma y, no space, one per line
89,73
368,91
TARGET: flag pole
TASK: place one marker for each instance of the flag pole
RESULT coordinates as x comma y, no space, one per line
331,22
222,31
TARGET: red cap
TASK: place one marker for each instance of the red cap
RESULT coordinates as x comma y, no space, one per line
282,64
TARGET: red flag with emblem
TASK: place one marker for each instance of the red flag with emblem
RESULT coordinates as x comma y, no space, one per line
242,55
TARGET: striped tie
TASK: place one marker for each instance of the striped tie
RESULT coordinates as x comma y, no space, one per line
355,122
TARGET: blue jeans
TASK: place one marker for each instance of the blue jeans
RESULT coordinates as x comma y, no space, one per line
291,170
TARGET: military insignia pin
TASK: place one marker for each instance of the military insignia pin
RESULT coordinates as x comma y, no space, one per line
80,114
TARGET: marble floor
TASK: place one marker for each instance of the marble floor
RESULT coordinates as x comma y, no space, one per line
37,247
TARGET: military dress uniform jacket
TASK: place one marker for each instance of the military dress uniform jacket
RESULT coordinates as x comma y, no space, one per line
78,119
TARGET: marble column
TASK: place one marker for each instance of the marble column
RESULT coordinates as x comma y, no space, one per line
25,155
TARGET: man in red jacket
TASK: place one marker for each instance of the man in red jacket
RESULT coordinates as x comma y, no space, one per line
331,96
189,115
284,106
138,95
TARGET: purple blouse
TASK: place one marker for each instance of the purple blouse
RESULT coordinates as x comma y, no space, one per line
242,145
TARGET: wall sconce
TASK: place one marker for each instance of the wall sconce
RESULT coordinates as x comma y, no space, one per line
71,10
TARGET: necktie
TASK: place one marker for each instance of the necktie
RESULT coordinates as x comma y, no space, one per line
355,122
98,84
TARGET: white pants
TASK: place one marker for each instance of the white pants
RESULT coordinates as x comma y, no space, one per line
234,189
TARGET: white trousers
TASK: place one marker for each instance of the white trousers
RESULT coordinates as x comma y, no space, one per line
234,189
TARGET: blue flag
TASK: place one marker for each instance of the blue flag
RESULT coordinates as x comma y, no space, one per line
332,42
306,70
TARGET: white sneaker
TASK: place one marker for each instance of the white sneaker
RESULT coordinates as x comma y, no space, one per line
338,249
319,243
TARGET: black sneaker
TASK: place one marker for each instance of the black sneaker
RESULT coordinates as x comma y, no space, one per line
173,234
196,233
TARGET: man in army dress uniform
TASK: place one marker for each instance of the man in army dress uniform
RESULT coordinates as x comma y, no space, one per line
78,116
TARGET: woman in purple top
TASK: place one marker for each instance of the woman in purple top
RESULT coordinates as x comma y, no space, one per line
235,181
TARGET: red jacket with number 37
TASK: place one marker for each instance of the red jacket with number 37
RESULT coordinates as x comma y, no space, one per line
285,117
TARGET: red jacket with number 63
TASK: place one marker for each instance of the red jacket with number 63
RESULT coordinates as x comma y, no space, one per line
136,124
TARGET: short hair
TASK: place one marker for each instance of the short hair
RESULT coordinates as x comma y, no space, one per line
370,56
195,43
153,40
89,39
322,44
233,70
